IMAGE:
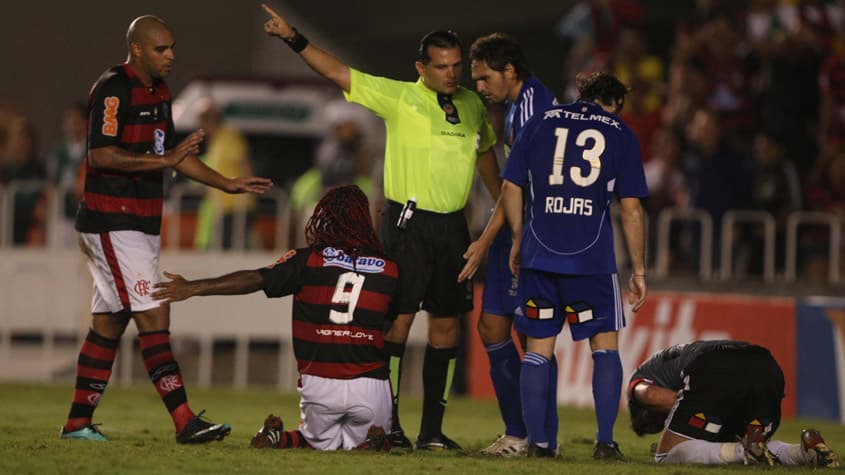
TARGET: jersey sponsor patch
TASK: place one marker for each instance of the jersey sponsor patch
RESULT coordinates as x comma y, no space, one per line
110,106
338,258
539,309
579,312
285,257
158,141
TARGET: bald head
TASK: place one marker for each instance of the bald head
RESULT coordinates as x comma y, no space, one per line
142,28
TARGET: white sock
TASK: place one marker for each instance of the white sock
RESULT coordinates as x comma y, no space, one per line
702,452
788,454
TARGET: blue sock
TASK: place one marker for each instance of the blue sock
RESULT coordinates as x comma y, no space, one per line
534,387
504,371
607,387
551,409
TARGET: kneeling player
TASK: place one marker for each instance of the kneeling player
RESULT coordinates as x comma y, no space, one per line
343,289
718,402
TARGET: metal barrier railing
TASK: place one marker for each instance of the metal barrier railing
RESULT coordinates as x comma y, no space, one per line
803,218
664,225
729,220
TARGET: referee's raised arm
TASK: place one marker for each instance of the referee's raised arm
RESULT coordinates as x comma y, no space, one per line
321,61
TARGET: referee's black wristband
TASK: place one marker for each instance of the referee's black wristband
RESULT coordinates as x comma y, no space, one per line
297,42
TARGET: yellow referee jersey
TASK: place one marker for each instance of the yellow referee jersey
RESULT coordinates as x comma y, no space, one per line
425,156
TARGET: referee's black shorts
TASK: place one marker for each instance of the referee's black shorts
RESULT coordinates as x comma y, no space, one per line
727,389
429,253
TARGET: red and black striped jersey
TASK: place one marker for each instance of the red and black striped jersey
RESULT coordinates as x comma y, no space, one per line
124,113
340,309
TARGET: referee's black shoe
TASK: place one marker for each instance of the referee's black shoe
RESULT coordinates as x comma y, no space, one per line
398,440
436,442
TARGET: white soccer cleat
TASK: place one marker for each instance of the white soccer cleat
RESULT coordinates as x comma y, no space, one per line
507,446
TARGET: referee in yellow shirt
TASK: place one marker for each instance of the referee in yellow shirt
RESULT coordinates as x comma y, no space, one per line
437,134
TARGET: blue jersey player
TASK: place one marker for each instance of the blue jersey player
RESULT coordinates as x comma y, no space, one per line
571,159
501,75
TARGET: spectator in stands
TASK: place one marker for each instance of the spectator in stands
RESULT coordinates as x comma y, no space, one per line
228,153
64,169
832,89
718,179
775,189
667,187
825,193
342,158
20,163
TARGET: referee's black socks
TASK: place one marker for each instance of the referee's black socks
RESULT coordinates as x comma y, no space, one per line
438,372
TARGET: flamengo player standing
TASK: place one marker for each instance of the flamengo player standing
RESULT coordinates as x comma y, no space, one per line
130,143
571,159
343,289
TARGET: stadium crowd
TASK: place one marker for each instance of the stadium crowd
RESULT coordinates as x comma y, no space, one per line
744,109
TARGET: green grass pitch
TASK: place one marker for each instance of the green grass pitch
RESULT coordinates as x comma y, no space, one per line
142,439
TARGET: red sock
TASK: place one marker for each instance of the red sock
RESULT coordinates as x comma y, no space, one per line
93,370
293,439
165,374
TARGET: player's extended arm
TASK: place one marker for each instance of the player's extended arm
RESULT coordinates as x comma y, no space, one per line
512,205
655,397
194,168
488,170
236,283
321,61
116,158
633,223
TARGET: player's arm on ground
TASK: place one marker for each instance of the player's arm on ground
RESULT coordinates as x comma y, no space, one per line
488,170
633,224
194,168
321,61
512,205
236,283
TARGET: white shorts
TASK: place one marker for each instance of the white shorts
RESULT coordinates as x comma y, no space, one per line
124,265
337,413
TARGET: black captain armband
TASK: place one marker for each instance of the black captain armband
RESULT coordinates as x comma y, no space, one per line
297,42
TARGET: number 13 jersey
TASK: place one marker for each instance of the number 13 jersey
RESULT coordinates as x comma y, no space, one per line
572,158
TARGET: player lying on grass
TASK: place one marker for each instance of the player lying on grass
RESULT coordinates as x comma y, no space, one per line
718,402
343,290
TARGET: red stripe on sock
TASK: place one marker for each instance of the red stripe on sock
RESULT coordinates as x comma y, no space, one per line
157,360
76,423
98,352
93,373
149,340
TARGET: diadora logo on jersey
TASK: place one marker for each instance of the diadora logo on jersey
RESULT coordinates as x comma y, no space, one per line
337,258
158,142
110,105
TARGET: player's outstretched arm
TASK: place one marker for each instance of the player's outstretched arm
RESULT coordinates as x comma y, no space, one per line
194,168
236,283
321,61
633,223
116,158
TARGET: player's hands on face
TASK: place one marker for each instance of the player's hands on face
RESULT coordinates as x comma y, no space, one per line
474,254
248,184
637,291
187,147
276,25
175,290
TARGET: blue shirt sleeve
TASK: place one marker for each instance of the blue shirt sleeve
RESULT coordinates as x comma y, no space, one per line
630,181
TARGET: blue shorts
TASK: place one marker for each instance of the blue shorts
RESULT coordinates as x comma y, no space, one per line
500,286
591,304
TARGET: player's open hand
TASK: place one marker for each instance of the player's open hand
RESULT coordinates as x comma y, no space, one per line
248,184
177,289
637,291
187,147
474,255
276,25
